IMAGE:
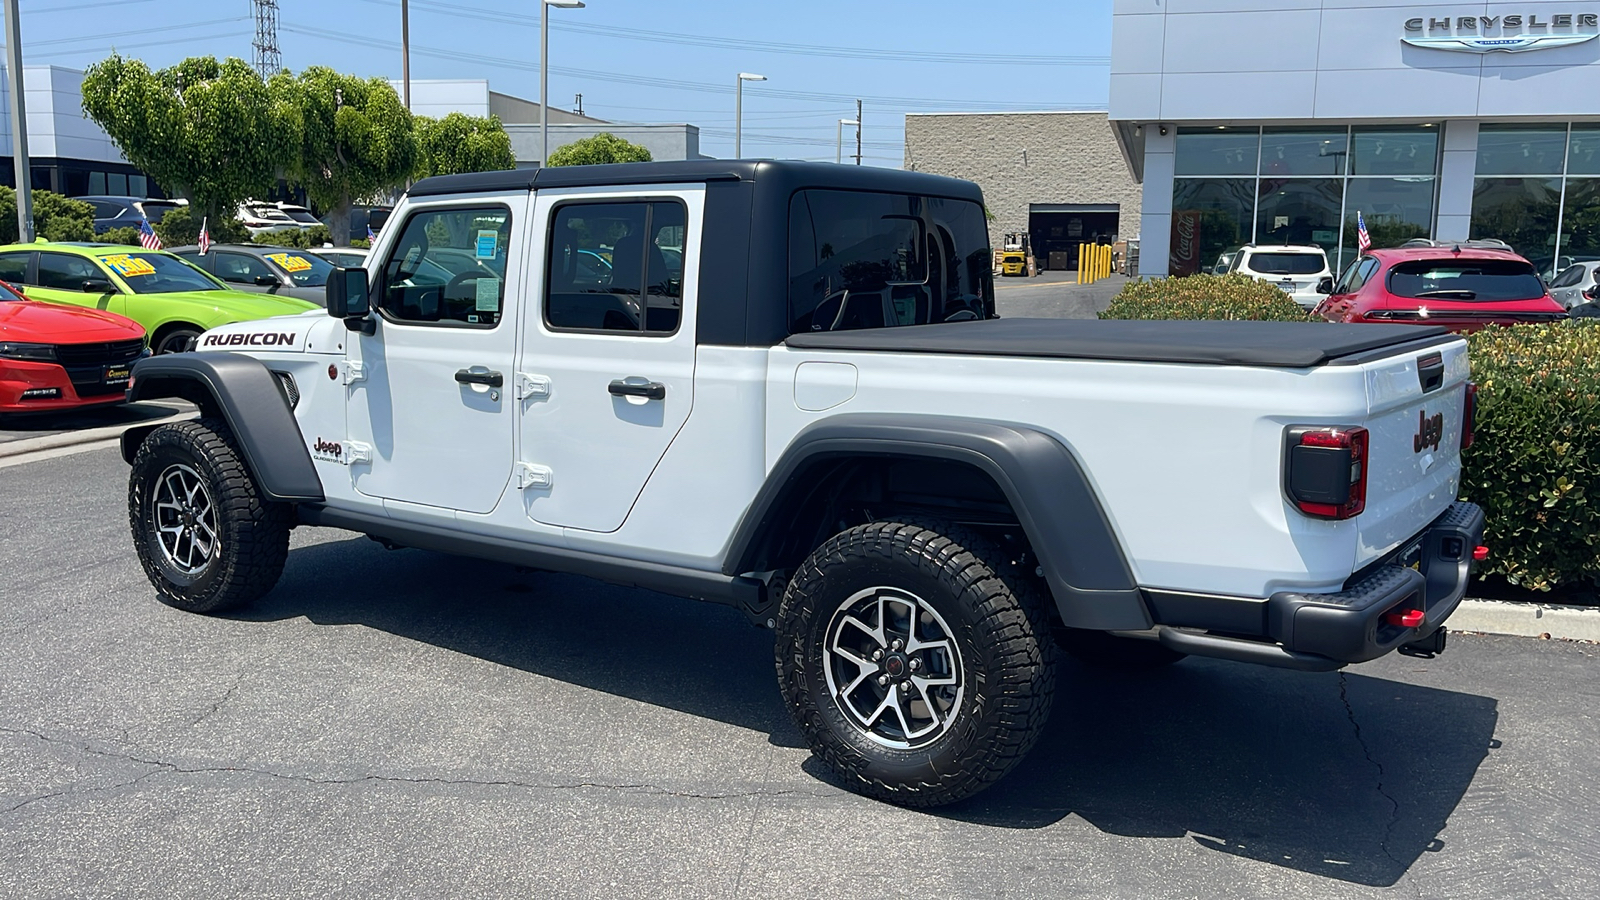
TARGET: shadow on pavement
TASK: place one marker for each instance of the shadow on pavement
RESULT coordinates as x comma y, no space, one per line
18,426
1337,774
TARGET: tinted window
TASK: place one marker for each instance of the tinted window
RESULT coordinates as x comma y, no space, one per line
1568,278
1356,275
616,267
448,266
237,268
14,268
1286,263
1490,279
106,209
158,273
868,260
304,269
156,210
1218,151
64,272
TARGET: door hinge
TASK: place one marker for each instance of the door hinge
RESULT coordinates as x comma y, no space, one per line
357,452
536,387
354,371
532,477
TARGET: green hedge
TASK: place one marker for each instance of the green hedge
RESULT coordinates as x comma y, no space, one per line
1536,457
1204,297
179,228
300,239
127,234
55,218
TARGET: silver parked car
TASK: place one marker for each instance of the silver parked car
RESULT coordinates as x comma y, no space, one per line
283,271
1568,287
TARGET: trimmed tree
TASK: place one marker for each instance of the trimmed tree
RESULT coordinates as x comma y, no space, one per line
55,218
461,143
604,147
207,131
356,139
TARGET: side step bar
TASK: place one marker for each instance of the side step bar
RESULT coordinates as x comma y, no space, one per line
1257,652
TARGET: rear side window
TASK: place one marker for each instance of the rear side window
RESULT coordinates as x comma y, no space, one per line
1466,279
14,268
1570,277
1286,263
616,267
869,260
64,272
1357,275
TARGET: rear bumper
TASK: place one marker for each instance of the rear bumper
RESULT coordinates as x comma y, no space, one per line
1365,620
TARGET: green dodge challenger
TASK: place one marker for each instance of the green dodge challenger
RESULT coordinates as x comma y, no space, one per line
172,299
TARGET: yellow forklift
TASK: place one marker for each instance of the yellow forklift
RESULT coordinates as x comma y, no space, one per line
1015,258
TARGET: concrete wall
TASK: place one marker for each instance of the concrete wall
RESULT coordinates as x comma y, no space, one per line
1024,158
665,142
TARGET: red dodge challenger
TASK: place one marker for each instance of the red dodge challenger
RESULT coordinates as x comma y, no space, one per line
63,357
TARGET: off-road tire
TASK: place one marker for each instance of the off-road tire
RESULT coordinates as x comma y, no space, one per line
1110,651
251,532
999,626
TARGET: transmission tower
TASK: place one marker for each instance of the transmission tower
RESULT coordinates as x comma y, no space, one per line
267,61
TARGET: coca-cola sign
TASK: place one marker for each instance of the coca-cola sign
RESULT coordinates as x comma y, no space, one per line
1185,259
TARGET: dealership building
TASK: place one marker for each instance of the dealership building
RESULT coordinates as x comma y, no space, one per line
1279,121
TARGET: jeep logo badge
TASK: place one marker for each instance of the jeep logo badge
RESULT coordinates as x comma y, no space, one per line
1429,430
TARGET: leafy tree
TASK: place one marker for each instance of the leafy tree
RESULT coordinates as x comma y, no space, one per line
461,143
602,148
55,218
355,138
207,131
180,228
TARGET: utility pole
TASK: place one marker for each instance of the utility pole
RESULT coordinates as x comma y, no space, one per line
578,100
19,125
405,54
858,132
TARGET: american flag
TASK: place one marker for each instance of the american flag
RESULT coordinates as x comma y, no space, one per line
205,237
370,236
1363,240
147,236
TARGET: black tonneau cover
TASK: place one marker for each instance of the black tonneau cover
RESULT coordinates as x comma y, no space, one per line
1293,345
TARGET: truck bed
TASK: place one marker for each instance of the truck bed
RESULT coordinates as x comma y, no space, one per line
1291,345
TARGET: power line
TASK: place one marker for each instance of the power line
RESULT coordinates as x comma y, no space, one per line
126,32
102,3
169,41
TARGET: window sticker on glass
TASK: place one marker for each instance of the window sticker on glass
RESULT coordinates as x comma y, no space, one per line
488,299
128,266
488,239
289,262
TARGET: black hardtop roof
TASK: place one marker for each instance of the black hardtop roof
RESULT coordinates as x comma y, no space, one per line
789,174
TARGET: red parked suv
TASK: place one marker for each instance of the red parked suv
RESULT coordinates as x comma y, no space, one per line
1462,286
55,357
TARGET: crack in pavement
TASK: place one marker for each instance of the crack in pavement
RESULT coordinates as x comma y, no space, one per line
161,767
226,696
1394,805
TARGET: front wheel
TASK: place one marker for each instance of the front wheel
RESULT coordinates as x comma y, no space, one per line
915,672
178,340
206,537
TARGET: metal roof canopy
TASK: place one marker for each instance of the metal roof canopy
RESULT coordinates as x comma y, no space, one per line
1074,207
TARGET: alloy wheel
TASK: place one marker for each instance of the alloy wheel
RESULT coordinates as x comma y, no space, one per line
893,667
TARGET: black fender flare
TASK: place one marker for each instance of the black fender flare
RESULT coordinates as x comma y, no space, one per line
1082,560
247,396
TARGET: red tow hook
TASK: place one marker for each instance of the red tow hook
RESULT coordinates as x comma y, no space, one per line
1480,554
1409,618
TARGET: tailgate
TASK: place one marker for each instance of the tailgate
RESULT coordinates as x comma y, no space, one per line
1416,402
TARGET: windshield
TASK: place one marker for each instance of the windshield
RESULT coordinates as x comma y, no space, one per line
1466,279
860,259
1286,263
158,273
270,213
306,269
8,293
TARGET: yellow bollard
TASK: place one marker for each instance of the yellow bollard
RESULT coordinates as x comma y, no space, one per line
1080,264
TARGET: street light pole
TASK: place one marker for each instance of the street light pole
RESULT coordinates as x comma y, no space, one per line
738,111
19,125
544,72
405,53
838,150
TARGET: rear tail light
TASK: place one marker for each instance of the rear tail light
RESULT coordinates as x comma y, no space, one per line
1326,471
1469,415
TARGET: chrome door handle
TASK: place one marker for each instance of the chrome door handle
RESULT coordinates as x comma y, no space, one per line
655,390
491,379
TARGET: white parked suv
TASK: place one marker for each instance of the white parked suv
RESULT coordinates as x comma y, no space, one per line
782,386
1294,268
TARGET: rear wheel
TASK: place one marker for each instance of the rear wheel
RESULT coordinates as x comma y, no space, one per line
207,538
915,671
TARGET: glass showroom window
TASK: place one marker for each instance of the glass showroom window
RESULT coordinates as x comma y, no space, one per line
1393,185
1213,195
1518,194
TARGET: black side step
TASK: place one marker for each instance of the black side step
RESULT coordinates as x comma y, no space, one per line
1257,652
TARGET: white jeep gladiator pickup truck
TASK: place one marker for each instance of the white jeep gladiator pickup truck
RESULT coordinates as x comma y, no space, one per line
783,386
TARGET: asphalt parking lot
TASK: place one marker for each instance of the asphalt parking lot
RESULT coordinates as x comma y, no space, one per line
406,724
1053,295
26,430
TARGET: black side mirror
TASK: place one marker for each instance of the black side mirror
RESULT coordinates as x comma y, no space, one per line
97,286
267,280
348,299
1325,286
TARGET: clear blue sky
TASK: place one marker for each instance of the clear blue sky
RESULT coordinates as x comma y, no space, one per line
651,61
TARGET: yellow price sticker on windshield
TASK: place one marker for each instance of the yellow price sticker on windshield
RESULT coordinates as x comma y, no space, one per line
289,262
128,266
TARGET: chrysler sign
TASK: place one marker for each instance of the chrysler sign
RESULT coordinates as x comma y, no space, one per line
1511,33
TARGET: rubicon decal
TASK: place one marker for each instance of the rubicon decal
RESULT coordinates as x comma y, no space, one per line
252,339
1430,429
330,451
